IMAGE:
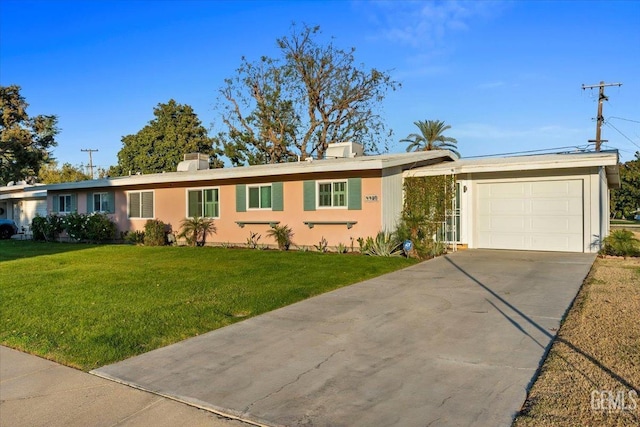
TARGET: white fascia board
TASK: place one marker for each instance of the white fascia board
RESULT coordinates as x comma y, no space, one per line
303,167
505,164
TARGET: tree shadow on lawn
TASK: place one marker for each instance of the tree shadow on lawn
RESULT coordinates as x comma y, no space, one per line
11,249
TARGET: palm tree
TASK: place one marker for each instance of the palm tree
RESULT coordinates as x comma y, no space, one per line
431,137
195,230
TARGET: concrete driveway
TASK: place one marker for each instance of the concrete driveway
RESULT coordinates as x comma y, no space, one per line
454,341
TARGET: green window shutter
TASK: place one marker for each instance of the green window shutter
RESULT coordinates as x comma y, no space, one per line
309,195
277,196
56,203
111,202
354,191
74,203
90,203
195,203
241,198
265,196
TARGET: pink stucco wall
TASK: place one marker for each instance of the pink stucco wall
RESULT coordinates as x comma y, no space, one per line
171,208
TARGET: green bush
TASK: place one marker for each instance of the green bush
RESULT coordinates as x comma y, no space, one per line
46,228
154,233
99,228
195,230
384,244
282,234
621,243
135,237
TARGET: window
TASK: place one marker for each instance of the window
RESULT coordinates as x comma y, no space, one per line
332,194
259,197
141,204
65,204
203,203
101,202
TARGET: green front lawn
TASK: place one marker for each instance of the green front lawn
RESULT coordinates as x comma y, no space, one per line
88,306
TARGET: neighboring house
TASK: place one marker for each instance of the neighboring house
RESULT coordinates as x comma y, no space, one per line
22,202
556,202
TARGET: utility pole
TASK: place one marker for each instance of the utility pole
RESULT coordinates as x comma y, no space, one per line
600,118
90,151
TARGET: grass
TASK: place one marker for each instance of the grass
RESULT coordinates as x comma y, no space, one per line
86,306
596,352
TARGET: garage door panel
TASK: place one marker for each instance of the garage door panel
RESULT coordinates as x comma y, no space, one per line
531,215
553,224
547,206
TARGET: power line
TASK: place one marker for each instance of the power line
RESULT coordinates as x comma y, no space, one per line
615,128
531,151
622,118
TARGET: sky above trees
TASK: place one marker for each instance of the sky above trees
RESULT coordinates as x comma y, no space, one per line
506,76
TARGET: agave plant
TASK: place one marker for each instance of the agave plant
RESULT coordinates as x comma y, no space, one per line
385,244
195,230
282,234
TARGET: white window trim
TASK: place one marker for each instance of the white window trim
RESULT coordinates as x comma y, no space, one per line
186,195
61,212
129,204
260,194
331,181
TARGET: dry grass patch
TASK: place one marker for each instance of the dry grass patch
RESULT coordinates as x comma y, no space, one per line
597,351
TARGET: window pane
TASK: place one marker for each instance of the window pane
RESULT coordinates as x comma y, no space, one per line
211,203
195,203
254,197
147,204
104,199
62,207
134,205
324,194
265,197
96,202
339,194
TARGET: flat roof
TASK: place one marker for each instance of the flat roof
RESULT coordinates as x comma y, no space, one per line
608,159
378,162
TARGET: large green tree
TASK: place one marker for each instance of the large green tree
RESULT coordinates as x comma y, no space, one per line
25,142
431,137
162,143
296,104
51,174
625,201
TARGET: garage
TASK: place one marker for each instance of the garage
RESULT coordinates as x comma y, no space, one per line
531,215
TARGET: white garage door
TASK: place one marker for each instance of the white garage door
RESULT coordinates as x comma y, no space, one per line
531,215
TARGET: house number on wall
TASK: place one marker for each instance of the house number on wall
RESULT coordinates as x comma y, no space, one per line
371,198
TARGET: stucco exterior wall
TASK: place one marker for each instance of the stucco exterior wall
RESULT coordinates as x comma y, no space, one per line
171,202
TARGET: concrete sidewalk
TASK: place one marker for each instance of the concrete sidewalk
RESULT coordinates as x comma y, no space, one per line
38,392
454,341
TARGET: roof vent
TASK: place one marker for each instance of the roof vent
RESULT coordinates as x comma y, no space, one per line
194,162
344,150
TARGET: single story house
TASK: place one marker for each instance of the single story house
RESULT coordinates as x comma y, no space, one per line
555,202
21,202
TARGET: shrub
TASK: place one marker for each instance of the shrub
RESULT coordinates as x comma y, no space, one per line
621,243
282,234
252,240
385,244
195,230
47,228
322,245
75,225
136,237
99,228
154,233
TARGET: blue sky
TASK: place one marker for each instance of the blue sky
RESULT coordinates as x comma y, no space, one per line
506,76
